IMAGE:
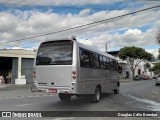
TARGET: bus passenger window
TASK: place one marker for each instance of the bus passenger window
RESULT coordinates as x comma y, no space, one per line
101,61
105,63
95,61
111,67
85,58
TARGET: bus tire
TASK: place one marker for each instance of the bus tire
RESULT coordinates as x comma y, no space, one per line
33,88
116,91
66,97
78,96
97,95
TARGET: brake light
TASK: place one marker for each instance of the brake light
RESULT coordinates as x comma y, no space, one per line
74,72
74,75
34,74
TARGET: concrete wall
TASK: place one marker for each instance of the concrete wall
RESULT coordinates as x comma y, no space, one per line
27,69
14,69
144,71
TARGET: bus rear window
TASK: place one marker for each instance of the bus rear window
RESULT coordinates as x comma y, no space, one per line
55,53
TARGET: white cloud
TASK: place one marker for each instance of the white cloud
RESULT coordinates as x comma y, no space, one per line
62,2
37,22
154,52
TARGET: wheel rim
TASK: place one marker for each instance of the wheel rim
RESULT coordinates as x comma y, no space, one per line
97,95
117,89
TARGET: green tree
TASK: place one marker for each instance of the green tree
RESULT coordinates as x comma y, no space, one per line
156,68
147,66
133,56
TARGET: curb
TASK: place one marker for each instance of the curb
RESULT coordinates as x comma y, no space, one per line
129,80
2,86
16,87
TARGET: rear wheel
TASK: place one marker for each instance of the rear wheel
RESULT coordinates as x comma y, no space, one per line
78,96
116,91
33,88
66,97
97,95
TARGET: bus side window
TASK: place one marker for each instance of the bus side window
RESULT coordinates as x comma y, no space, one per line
115,66
85,58
101,61
105,63
111,64
95,61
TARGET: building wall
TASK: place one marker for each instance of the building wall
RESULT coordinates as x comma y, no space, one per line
125,69
144,71
14,69
27,69
140,67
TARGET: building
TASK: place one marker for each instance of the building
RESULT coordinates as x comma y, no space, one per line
16,64
126,71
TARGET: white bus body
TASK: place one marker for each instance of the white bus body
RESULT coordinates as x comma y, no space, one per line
68,67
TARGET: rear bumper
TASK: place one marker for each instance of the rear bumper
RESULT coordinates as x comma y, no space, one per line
66,90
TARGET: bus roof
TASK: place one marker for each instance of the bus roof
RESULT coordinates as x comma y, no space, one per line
61,38
81,45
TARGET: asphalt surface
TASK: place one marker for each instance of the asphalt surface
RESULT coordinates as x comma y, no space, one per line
134,96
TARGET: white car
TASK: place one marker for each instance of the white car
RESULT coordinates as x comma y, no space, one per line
157,80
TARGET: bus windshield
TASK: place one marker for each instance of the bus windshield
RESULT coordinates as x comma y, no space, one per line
55,53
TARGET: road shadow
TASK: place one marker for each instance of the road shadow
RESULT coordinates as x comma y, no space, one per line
77,103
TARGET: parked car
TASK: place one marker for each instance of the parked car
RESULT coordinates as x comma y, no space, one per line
157,80
146,77
138,77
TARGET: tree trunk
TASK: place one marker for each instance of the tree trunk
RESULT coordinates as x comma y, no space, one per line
133,73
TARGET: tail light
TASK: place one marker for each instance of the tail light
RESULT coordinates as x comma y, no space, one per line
34,74
74,75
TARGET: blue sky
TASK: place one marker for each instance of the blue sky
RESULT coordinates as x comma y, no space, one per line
53,15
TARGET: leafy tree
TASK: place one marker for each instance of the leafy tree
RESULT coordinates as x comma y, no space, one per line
147,66
156,68
133,56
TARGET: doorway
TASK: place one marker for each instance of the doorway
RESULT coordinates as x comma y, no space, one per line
6,69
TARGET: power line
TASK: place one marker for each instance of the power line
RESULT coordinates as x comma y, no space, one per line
93,23
58,8
70,7
32,3
23,5
14,5
5,2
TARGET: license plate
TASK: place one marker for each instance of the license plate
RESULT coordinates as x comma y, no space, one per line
51,90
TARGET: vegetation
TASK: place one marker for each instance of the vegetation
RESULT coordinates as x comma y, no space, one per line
133,56
147,66
156,68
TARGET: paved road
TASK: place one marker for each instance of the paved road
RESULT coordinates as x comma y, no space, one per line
134,96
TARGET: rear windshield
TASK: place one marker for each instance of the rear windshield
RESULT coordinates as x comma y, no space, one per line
55,53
